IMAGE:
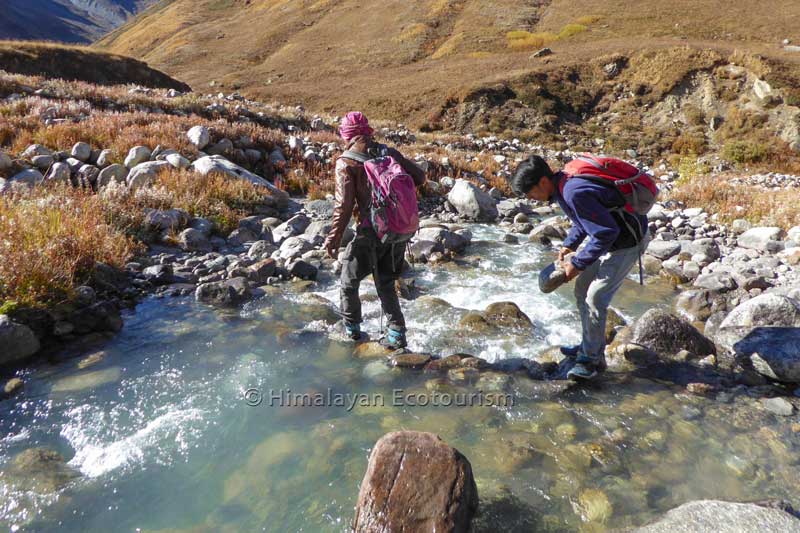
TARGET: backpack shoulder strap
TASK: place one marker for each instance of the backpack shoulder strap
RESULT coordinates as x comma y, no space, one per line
356,156
605,183
589,158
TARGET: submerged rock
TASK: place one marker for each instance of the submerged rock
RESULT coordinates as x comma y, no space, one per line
710,516
594,506
225,293
39,470
504,511
778,406
370,350
416,482
12,387
87,380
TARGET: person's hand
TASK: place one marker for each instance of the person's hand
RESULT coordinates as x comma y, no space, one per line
332,250
564,252
571,270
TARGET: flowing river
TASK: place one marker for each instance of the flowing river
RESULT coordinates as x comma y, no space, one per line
165,440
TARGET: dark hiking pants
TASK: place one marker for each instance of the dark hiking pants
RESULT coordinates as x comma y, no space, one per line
364,256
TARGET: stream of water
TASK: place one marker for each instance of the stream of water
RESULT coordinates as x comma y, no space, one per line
164,440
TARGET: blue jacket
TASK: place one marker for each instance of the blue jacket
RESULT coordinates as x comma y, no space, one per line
587,204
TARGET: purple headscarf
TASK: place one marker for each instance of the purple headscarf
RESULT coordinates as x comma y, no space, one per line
353,125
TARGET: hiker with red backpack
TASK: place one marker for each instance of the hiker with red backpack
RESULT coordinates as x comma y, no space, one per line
607,201
377,185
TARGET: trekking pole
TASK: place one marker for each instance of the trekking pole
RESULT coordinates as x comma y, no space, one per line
641,270
374,258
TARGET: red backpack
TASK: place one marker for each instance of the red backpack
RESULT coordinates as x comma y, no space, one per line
636,187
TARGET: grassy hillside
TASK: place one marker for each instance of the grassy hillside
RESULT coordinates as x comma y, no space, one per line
405,58
81,64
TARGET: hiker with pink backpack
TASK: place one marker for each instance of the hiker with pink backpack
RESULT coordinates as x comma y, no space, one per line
376,185
607,201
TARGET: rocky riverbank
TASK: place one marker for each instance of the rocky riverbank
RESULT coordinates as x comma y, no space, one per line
732,278
731,335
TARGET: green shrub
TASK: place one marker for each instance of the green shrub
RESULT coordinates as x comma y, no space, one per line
8,307
745,151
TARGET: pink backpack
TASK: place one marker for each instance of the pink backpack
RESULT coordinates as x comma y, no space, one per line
394,212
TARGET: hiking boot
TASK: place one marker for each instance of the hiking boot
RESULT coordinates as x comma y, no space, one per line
582,371
571,351
394,339
353,331
586,368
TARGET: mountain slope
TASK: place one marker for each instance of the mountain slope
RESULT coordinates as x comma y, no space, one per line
73,21
404,58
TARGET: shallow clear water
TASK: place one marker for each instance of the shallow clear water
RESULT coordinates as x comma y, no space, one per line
164,439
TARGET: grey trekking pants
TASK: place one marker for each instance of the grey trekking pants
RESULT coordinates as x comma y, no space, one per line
595,288
361,254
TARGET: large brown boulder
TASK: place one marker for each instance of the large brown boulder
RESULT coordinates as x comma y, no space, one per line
667,334
416,482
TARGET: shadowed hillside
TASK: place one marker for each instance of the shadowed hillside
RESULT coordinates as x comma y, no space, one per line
76,21
82,64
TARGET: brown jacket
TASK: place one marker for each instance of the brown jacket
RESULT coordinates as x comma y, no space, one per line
353,191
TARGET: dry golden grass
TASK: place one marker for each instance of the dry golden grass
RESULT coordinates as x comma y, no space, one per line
449,46
119,132
52,236
218,198
571,30
51,239
763,207
523,40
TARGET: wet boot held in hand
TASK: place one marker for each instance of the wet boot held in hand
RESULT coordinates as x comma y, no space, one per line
231,302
